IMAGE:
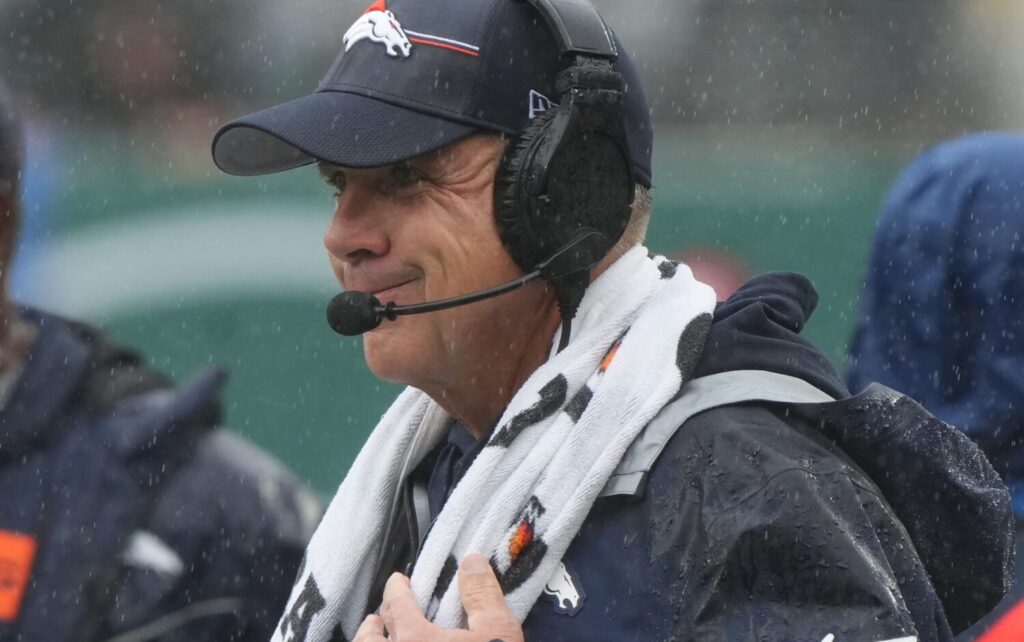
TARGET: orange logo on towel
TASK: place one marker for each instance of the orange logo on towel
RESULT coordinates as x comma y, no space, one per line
521,540
607,361
17,553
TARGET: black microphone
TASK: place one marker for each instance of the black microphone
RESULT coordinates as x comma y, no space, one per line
352,313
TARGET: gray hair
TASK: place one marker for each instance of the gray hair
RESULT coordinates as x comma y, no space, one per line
639,220
11,141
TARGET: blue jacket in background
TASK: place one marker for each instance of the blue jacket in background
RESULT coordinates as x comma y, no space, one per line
942,310
149,523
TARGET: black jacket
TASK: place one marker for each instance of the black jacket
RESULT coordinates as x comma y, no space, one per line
768,522
144,516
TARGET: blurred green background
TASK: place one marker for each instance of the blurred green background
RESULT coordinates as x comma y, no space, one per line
780,126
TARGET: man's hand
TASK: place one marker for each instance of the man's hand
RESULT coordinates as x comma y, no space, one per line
489,618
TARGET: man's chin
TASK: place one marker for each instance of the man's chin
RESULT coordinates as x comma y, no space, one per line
388,355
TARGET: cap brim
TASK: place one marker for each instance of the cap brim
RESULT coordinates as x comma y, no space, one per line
336,127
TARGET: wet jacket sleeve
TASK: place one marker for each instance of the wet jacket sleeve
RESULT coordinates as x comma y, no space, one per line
794,543
239,523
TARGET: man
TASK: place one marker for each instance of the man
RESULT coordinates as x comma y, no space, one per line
126,514
939,314
599,453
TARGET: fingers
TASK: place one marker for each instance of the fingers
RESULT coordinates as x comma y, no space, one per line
489,617
399,610
483,600
371,630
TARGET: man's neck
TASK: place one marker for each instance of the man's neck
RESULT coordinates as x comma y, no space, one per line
481,395
484,390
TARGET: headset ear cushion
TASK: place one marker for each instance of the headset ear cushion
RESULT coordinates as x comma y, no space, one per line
512,204
565,173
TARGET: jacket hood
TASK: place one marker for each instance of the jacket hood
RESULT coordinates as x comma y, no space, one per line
937,482
758,328
941,486
940,310
73,368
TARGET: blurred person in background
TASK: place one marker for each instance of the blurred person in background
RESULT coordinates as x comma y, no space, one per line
126,512
146,70
602,453
942,310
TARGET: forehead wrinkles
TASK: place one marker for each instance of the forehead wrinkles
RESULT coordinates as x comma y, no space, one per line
467,161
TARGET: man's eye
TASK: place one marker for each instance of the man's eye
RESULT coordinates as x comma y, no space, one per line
404,176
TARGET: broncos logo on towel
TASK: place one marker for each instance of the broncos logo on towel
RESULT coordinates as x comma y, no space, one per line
379,25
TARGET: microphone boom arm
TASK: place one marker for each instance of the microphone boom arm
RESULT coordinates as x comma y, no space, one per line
391,311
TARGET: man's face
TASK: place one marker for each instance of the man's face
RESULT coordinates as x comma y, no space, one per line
422,231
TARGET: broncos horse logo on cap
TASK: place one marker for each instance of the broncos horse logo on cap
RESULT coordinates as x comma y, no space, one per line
379,25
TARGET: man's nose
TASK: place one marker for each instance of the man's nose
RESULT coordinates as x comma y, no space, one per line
357,228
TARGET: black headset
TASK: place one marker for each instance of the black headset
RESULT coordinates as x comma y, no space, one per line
567,179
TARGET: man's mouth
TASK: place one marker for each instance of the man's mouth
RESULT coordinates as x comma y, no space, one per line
391,292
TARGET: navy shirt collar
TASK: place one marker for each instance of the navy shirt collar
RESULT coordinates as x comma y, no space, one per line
450,461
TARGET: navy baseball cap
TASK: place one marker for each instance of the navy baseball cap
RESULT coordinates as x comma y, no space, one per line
414,76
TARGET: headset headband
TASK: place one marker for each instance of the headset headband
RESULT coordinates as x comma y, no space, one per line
578,27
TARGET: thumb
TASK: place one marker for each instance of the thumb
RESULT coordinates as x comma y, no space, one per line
482,597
